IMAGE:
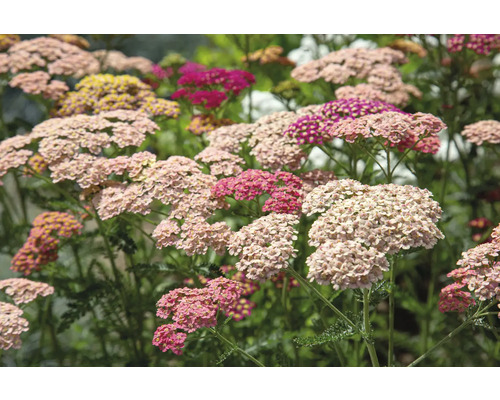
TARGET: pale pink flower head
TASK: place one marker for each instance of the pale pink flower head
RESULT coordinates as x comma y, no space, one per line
24,290
11,326
167,337
483,132
346,264
265,246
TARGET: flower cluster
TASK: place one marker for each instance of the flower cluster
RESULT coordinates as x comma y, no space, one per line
269,55
204,123
243,307
24,290
193,309
407,46
69,146
483,131
270,147
265,246
375,65
220,162
346,264
118,61
42,243
37,164
315,128
195,235
479,272
54,56
106,92
210,88
339,66
39,83
75,40
7,41
479,43
360,224
11,326
418,131
283,188
315,177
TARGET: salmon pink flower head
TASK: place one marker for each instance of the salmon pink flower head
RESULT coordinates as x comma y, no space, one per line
478,272
284,189
193,309
42,244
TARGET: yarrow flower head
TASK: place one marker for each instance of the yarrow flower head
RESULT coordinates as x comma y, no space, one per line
106,92
204,123
479,43
315,128
192,309
24,290
42,244
269,55
7,41
38,83
370,222
209,88
482,132
11,326
75,40
265,246
478,272
418,132
220,162
283,187
118,61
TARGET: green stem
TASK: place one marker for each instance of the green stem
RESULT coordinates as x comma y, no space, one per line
368,330
235,347
390,352
451,335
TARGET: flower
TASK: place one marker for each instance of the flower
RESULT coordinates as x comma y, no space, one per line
106,92
269,55
193,309
41,246
346,264
478,272
252,183
7,41
483,131
479,43
75,40
113,59
415,131
388,217
11,326
264,246
314,128
167,338
23,290
38,83
204,123
54,56
220,162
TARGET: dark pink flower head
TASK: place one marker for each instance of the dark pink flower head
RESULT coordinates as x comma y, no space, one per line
314,128
479,43
190,67
283,187
161,73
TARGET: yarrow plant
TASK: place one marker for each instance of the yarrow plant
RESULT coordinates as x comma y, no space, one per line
277,215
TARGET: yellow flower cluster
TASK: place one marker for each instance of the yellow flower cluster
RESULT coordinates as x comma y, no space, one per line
408,46
269,55
106,92
75,40
206,123
8,40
